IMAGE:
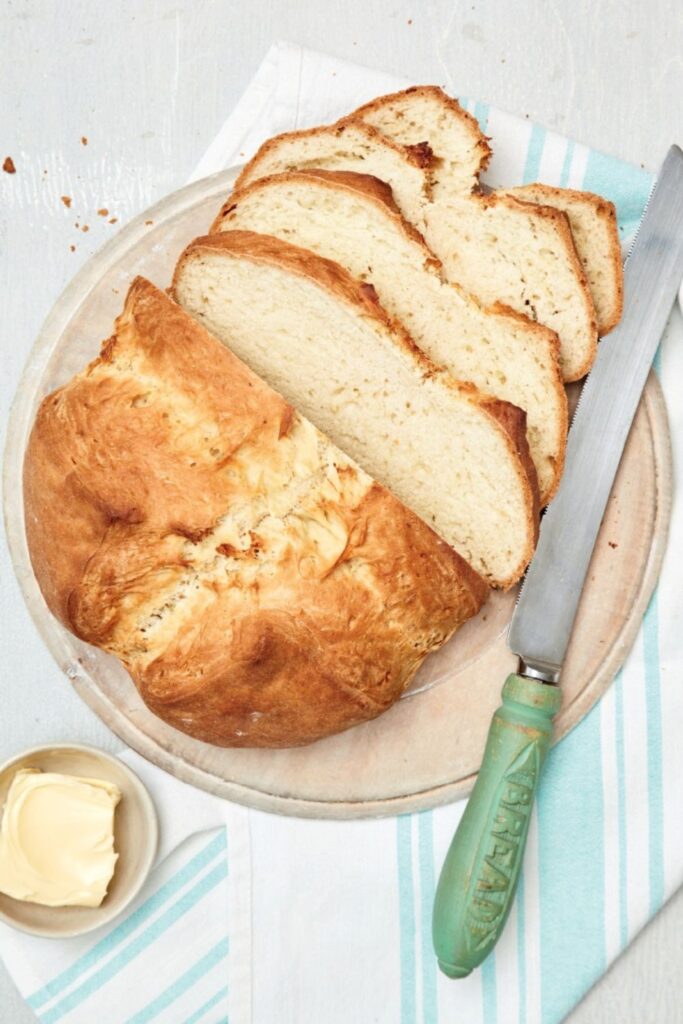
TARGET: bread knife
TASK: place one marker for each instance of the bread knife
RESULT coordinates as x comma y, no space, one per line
479,877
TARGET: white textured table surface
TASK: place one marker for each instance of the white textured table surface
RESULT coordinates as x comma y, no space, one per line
110,105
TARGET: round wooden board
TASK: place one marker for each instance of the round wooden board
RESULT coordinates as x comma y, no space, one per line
424,751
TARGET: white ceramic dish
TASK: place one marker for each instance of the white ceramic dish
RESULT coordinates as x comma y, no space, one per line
135,840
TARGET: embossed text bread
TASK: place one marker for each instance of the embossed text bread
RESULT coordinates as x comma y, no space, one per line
352,219
261,589
319,336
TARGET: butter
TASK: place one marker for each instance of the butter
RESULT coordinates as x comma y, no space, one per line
57,839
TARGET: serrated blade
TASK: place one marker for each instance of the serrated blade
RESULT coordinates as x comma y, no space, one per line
542,623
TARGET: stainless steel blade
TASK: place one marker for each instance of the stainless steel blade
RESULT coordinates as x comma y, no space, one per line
544,617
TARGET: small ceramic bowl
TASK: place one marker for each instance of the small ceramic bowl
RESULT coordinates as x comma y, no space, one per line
135,840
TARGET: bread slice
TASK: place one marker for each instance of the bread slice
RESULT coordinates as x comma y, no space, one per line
426,114
260,588
528,251
352,219
501,248
349,146
593,221
320,337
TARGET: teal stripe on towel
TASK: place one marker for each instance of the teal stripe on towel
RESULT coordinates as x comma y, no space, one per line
621,816
427,888
571,869
488,989
534,153
406,918
627,187
208,1005
481,113
655,783
521,947
157,928
127,926
182,984
567,163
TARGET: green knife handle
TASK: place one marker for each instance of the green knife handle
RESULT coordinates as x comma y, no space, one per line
479,876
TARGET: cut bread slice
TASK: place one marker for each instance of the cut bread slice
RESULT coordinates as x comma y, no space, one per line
530,248
352,219
458,459
349,146
425,113
461,152
503,249
593,221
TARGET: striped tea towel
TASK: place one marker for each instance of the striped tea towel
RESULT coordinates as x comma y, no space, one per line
181,952
341,912
353,901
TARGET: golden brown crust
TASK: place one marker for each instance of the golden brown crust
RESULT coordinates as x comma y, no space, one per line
605,211
417,156
513,420
435,92
130,471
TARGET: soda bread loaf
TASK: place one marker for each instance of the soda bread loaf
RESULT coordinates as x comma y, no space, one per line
352,219
458,459
528,252
260,587
461,152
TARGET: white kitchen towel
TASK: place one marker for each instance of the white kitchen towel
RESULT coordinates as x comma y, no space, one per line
180,952
341,912
342,923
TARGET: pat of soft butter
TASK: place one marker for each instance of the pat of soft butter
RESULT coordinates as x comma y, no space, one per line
57,839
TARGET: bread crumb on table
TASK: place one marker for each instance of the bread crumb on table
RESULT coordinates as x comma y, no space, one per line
8,165
66,200
103,212
84,140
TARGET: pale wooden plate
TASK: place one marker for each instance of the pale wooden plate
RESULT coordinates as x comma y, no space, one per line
426,750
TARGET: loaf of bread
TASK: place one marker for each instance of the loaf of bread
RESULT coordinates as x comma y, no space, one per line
499,249
260,588
458,459
352,219
461,152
